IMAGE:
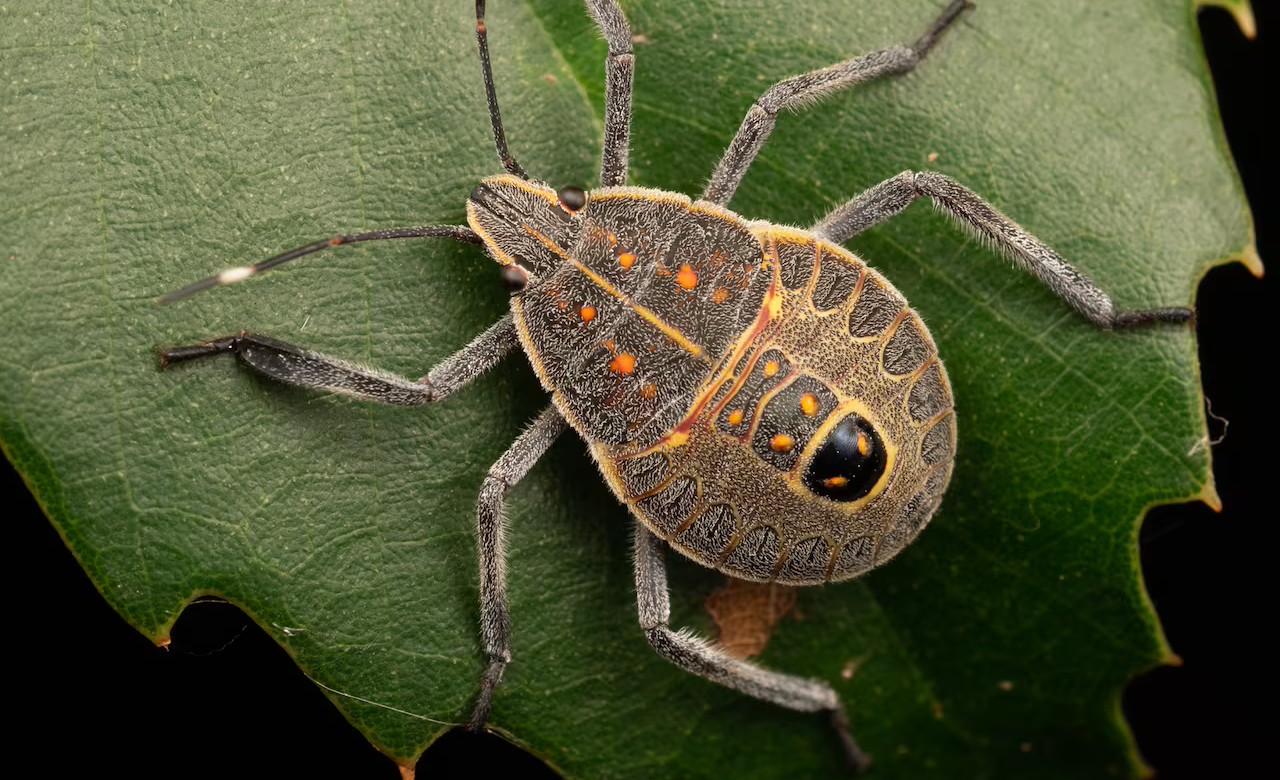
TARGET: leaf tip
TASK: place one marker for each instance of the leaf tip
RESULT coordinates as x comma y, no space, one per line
1250,258
407,771
1240,10
1209,495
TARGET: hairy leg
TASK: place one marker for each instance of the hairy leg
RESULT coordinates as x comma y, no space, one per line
705,659
890,197
304,368
806,87
495,615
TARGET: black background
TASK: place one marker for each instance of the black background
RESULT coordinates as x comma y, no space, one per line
89,692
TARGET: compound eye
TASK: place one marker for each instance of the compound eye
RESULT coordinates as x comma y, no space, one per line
848,463
514,278
572,198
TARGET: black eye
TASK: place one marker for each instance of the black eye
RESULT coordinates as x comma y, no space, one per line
849,462
572,198
514,278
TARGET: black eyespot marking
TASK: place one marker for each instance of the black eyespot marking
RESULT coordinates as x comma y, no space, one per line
514,278
848,463
572,198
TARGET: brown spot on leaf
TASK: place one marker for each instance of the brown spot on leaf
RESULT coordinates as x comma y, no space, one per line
851,667
746,613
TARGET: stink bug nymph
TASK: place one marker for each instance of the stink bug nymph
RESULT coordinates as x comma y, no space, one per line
762,399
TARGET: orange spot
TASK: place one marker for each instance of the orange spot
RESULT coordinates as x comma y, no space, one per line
771,368
563,304
650,390
335,240
809,404
612,238
687,277
588,313
736,416
626,259
781,442
623,363
864,444
835,482
720,295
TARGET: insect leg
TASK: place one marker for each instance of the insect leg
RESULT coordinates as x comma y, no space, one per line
619,68
705,659
893,195
807,87
303,368
495,617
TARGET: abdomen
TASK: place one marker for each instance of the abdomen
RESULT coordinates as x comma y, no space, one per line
762,400
820,447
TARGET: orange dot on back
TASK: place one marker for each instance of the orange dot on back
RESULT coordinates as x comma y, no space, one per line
687,277
623,363
809,404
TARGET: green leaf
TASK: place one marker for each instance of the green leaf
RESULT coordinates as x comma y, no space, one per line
146,145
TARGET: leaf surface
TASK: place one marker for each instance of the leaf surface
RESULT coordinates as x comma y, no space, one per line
149,145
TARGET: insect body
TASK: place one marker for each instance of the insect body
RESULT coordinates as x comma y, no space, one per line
763,400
